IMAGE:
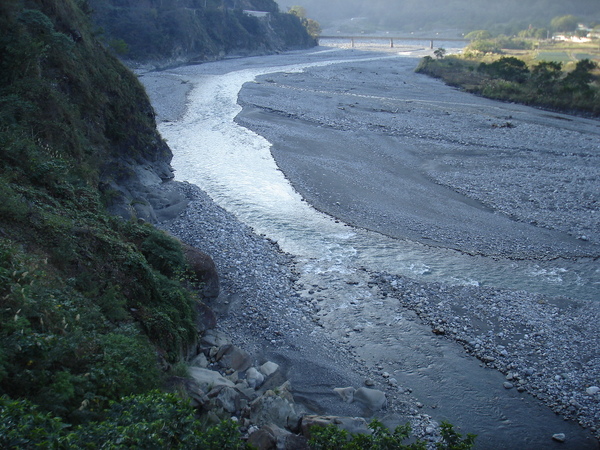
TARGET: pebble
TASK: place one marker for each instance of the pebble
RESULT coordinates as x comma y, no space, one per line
559,437
592,390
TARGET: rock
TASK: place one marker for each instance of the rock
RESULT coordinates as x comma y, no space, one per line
200,361
272,437
232,357
559,437
346,394
371,398
254,378
208,379
226,397
203,266
508,385
369,382
278,409
268,368
592,390
353,425
205,317
213,338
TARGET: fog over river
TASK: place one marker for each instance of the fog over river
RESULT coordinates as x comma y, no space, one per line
408,207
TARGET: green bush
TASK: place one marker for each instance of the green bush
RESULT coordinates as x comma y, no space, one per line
151,421
381,438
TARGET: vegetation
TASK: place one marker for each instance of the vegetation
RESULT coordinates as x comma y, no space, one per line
381,438
195,29
151,421
313,27
91,307
544,84
525,69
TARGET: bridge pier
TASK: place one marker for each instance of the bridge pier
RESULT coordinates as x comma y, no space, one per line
431,44
352,41
391,42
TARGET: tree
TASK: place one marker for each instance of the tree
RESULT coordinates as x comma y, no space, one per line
564,23
545,74
440,53
298,11
478,35
508,68
581,77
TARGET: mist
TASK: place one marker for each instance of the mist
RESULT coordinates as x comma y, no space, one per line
466,15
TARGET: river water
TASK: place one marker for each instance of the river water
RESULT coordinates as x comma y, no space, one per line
235,167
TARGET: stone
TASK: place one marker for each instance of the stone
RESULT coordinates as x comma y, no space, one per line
273,437
205,317
369,382
200,361
254,378
346,394
208,379
373,399
203,266
353,425
592,390
559,437
213,338
232,357
508,385
278,409
226,397
269,368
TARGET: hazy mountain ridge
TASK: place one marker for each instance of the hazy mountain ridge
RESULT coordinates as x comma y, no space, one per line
412,15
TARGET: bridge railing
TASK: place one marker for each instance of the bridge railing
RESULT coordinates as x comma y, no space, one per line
391,39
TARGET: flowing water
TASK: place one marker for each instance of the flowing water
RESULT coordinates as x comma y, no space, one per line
235,167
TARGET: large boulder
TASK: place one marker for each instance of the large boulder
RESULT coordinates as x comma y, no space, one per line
232,357
276,408
271,437
208,379
205,270
373,399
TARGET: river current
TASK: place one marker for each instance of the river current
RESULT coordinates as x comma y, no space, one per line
235,167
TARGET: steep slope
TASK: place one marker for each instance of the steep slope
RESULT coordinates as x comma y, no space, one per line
196,30
90,305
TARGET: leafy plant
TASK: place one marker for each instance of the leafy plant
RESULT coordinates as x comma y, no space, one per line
381,438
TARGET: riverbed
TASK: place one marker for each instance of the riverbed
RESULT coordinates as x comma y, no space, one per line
448,256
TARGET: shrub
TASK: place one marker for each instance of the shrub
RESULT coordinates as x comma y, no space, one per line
381,438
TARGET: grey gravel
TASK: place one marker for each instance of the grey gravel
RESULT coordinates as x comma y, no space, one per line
332,332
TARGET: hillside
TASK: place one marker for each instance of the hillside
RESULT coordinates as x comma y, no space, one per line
437,15
92,306
196,30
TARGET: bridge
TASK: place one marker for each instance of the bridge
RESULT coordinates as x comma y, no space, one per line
391,39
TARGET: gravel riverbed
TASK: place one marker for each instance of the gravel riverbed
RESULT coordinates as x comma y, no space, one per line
332,330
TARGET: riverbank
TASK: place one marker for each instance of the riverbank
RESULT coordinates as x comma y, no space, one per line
351,321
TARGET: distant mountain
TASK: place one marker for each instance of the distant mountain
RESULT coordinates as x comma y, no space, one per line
440,14
196,30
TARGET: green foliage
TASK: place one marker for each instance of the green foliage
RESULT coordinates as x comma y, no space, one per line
381,438
89,303
508,68
478,35
194,29
564,23
151,421
440,53
545,84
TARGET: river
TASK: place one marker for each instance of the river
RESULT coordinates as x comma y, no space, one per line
235,166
